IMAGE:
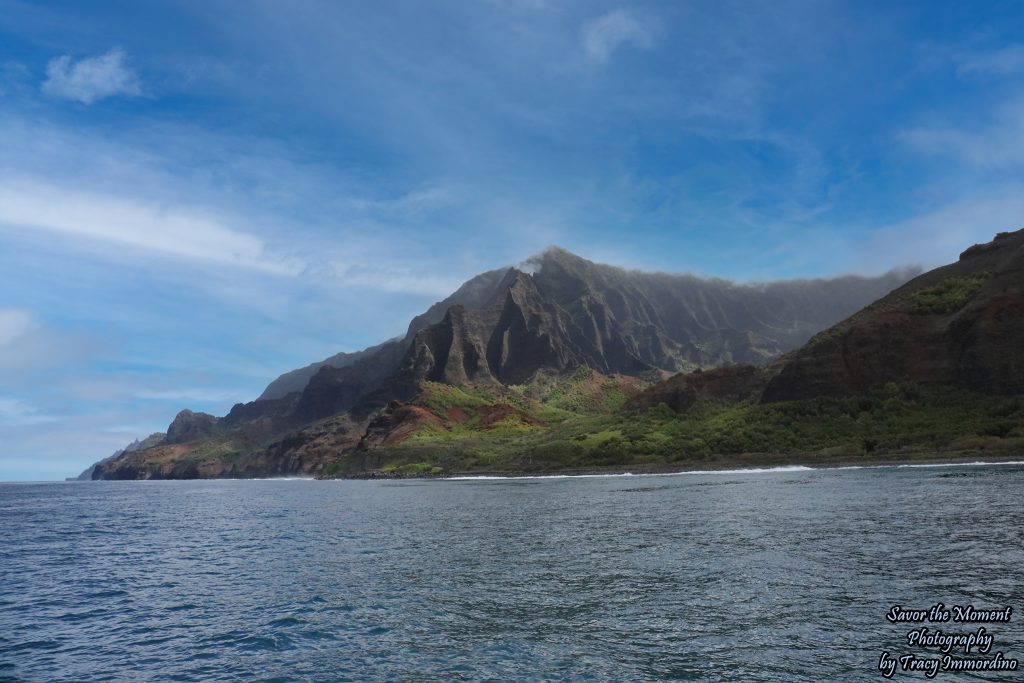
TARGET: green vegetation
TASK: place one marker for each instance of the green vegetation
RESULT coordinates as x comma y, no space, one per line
948,296
412,469
213,449
438,397
896,422
585,391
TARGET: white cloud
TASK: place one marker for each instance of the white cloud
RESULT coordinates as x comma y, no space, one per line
194,394
998,144
92,78
938,237
17,413
136,224
394,280
602,36
1002,62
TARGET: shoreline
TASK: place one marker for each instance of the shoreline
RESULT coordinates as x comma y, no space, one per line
746,463
978,459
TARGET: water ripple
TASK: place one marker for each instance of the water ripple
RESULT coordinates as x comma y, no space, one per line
759,576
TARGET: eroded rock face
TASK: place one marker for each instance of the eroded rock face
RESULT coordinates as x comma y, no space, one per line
516,336
397,423
573,313
475,293
960,325
336,390
680,322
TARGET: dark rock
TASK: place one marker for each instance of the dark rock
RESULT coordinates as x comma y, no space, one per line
475,293
975,343
296,380
397,423
189,426
136,445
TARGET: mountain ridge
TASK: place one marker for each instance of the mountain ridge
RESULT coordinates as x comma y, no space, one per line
476,293
506,328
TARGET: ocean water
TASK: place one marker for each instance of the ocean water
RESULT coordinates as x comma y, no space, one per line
745,576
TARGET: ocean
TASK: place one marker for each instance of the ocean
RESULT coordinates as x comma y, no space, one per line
733,576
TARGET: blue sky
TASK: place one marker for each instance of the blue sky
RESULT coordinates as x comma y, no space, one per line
197,196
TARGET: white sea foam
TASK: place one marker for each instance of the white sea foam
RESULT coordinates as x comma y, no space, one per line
753,470
485,477
241,479
977,463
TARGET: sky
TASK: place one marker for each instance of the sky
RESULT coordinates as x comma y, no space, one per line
198,196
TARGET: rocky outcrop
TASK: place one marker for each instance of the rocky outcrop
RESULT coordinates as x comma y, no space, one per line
189,426
136,445
476,293
305,452
959,325
397,423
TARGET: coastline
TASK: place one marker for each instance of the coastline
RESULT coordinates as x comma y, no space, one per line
718,467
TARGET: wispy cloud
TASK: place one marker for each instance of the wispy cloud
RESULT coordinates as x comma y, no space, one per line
92,78
17,413
196,394
602,36
997,143
936,237
1002,62
411,204
131,223
396,280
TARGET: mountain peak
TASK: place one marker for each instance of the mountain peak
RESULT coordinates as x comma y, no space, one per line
553,256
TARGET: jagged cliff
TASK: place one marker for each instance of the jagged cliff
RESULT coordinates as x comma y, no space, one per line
475,293
506,327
